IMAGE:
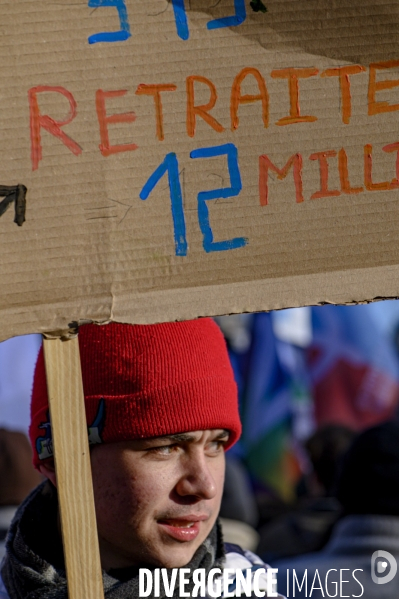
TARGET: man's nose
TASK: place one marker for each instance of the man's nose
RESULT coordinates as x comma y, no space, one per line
196,479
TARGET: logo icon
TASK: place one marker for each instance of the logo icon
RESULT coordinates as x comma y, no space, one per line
44,444
383,563
96,428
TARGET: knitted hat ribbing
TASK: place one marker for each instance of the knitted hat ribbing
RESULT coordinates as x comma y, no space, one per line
143,381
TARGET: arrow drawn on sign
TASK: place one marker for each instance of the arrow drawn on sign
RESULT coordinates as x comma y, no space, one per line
107,212
16,194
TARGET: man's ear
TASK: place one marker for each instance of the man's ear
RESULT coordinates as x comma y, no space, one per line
48,470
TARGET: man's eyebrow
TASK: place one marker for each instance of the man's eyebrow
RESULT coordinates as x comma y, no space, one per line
187,437
180,437
223,435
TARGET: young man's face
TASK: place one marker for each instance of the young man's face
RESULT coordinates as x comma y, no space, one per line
157,499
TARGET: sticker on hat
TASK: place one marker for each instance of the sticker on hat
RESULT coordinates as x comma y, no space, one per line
96,429
44,444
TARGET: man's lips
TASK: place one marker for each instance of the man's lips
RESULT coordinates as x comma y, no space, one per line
182,529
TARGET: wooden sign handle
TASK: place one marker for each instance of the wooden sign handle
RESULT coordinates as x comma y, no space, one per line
72,463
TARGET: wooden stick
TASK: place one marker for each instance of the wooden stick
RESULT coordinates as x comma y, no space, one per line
72,462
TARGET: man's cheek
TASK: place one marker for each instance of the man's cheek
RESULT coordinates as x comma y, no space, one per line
144,499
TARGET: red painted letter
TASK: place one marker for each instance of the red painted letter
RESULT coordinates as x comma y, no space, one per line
368,172
343,174
127,117
394,148
324,191
37,121
265,164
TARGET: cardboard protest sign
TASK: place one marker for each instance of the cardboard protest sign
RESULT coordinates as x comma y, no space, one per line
194,158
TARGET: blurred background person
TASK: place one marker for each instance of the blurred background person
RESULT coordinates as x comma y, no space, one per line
307,526
17,477
299,371
239,513
308,379
368,490
325,449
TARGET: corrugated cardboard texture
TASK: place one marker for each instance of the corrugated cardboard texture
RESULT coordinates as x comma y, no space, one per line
92,249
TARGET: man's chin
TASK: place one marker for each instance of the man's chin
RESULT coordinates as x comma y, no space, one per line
177,559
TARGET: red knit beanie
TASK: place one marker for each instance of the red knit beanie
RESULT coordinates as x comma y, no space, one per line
144,381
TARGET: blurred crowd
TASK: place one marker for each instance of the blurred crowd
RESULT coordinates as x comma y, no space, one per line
319,397
313,485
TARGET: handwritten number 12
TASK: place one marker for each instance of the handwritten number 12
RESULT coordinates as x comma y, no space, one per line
171,167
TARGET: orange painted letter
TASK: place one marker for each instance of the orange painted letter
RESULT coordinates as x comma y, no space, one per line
37,121
394,148
343,174
375,86
127,117
202,110
368,172
293,86
155,91
323,164
265,164
237,98
345,85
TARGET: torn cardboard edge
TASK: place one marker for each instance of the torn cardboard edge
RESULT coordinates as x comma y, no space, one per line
340,287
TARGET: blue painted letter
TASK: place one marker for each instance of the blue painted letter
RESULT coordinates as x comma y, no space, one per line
171,166
230,151
181,19
112,36
236,19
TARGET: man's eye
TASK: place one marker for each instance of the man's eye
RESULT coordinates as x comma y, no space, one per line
163,449
217,446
